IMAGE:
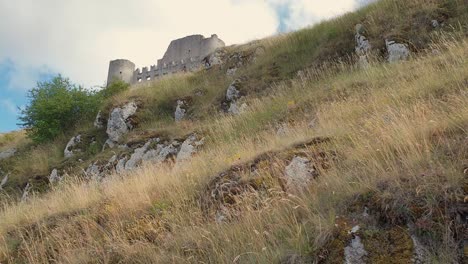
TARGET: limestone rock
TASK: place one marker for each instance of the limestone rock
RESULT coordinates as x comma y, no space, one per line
137,156
233,92
396,51
68,151
7,153
120,167
54,176
119,123
26,192
99,122
363,46
234,109
162,152
189,147
299,172
4,181
231,71
355,252
435,23
94,172
180,111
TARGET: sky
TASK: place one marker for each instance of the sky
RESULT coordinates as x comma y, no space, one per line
78,38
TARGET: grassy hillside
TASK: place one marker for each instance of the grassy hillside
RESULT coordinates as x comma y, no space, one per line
388,144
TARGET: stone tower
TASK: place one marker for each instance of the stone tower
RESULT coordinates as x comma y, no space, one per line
120,70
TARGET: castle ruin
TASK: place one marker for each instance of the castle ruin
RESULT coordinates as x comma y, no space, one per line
185,54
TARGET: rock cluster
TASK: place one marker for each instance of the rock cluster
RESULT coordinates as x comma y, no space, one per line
299,173
120,122
233,94
363,46
355,253
154,150
396,51
69,150
180,110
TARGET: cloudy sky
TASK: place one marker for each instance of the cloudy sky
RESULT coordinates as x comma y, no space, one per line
78,38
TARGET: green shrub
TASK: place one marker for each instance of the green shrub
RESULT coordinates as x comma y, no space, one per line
114,88
55,107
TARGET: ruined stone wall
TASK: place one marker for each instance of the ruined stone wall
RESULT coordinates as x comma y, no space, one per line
185,54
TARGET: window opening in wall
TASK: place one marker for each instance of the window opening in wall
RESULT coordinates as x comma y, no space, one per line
148,78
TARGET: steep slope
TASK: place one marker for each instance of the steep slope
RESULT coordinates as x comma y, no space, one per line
328,160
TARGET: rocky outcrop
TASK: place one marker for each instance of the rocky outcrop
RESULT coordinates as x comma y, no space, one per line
153,151
396,51
299,173
189,147
6,154
120,122
69,150
4,181
26,192
233,94
99,121
54,176
180,110
355,253
363,46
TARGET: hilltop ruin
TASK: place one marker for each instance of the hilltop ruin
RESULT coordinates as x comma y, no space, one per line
184,54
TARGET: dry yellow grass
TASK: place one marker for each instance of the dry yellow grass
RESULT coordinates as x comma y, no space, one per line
403,124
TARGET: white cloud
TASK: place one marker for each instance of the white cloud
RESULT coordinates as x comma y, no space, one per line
78,37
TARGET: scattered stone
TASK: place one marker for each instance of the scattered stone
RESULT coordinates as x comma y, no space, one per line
119,123
299,172
70,148
6,154
120,167
396,51
189,147
231,71
137,156
363,46
26,192
233,92
355,252
94,172
237,110
54,176
435,23
180,111
99,122
3,182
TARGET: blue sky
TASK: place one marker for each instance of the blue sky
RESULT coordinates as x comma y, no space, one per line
39,39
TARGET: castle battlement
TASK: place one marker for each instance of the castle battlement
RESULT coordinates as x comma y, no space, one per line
182,55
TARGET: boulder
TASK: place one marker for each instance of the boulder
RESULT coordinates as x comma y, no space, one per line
299,173
233,92
180,111
7,153
4,181
189,147
54,176
99,122
119,123
234,109
70,148
363,46
26,192
396,51
231,71
137,156
435,23
355,252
